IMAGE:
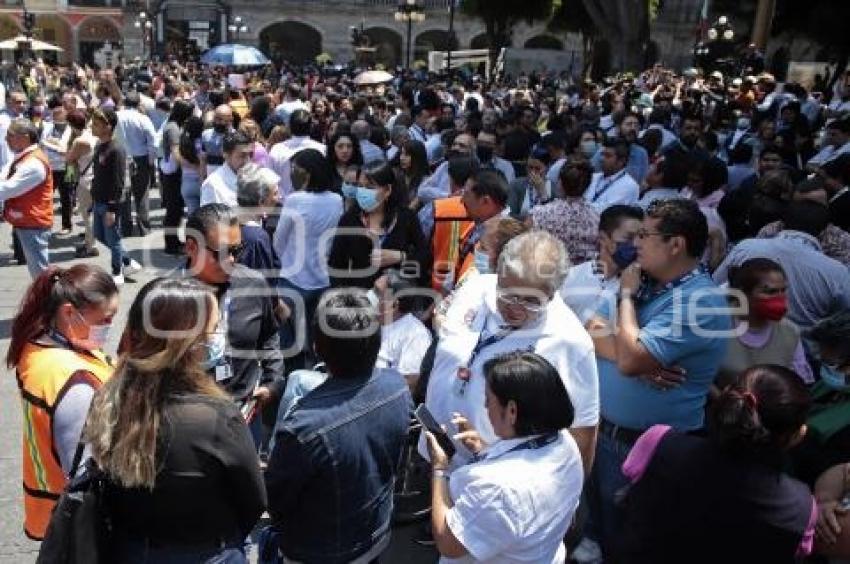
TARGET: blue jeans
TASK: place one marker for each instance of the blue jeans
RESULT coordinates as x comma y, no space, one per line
139,552
34,244
299,323
606,480
109,236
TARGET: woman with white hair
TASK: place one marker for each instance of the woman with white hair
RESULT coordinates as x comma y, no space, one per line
519,308
257,196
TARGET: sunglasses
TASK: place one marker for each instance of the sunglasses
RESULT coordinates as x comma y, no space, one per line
234,251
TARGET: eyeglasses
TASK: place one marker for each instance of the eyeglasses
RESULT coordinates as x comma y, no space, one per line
644,233
532,304
234,251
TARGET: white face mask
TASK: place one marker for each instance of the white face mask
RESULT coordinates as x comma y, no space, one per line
98,334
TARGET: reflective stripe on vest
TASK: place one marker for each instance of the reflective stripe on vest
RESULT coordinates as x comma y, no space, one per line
452,226
45,373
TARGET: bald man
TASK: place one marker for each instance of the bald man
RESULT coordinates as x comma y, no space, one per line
212,139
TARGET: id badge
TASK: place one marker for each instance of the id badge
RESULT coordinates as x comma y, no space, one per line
223,372
462,380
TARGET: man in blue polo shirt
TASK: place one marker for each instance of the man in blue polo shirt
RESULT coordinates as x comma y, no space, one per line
672,326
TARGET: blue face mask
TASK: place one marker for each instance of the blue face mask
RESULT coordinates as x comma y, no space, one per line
833,377
367,199
482,262
214,349
349,190
625,254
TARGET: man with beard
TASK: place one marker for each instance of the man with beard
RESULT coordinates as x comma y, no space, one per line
638,163
686,147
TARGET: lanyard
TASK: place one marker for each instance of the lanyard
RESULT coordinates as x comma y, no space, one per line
484,342
647,294
60,338
607,187
531,444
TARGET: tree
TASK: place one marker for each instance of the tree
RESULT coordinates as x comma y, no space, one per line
500,16
571,16
626,23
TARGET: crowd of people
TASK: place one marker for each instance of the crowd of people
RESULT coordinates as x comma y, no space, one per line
627,304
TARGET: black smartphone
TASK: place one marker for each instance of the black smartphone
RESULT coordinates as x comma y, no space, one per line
424,415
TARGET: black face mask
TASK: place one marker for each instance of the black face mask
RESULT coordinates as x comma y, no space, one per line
220,127
485,154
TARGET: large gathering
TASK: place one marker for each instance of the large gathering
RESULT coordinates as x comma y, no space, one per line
538,318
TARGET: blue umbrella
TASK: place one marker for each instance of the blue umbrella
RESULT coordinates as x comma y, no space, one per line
234,55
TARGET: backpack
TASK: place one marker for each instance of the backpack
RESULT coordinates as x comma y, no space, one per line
79,528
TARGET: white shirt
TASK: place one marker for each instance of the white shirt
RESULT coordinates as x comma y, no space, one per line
220,187
557,335
404,343
619,188
29,173
371,152
586,290
54,157
436,186
829,153
302,239
516,506
658,194
282,153
286,109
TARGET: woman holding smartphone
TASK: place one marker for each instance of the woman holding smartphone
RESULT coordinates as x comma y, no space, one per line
515,502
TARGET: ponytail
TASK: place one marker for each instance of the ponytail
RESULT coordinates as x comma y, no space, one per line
758,415
80,285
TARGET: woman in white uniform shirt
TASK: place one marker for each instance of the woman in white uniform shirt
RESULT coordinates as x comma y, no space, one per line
515,502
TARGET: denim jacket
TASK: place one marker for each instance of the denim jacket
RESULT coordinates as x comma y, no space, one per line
331,474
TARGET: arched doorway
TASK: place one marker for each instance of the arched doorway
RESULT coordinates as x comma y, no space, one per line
56,30
544,42
93,34
432,40
294,42
387,44
480,41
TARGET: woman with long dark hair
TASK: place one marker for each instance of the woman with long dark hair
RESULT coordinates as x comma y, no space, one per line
378,233
184,480
170,174
343,153
412,167
56,351
193,163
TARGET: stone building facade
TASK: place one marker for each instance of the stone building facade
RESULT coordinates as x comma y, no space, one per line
298,30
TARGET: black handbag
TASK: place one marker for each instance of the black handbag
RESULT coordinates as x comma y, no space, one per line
79,527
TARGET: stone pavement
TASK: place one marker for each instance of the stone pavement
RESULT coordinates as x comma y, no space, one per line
15,548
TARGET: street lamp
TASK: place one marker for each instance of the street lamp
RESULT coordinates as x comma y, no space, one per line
409,11
718,49
237,27
145,25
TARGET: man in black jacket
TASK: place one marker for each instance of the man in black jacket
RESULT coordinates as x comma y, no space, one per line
248,364
107,191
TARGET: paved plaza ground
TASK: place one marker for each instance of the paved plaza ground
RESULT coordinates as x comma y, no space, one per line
15,548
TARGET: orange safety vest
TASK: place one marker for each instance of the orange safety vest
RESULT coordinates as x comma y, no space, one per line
45,373
452,227
34,208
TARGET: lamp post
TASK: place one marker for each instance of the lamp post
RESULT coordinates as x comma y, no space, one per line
718,49
143,22
236,27
409,11
451,36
